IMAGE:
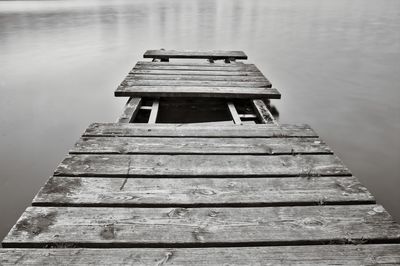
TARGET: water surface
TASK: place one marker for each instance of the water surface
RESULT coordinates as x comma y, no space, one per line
336,63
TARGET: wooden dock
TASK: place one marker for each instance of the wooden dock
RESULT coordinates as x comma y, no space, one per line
196,171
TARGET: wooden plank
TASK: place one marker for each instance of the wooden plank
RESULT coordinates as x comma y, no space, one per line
201,165
216,123
146,107
168,145
195,73
188,130
192,91
196,77
130,110
262,112
248,116
197,227
205,192
154,112
384,254
196,83
225,67
235,116
191,63
214,54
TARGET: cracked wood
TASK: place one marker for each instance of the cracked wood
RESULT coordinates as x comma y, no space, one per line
196,227
201,165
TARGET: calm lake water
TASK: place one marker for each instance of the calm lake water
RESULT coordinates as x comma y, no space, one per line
336,63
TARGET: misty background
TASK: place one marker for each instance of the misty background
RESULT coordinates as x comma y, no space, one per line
336,63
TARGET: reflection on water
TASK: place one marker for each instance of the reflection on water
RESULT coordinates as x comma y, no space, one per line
335,62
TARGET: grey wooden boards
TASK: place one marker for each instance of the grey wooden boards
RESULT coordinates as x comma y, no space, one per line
212,54
201,192
238,256
196,80
187,130
197,227
174,187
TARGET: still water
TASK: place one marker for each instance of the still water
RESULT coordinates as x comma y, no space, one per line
336,63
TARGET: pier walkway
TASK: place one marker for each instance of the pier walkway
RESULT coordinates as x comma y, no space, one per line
196,171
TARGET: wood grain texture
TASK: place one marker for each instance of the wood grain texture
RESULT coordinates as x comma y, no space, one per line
196,73
356,255
154,112
201,192
130,110
197,91
201,165
196,83
241,79
234,114
197,227
187,130
191,63
168,145
262,112
214,54
200,67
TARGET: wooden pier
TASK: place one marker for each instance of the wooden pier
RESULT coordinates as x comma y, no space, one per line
196,171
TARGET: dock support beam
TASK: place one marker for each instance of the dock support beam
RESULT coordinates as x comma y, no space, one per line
262,112
154,112
130,110
234,113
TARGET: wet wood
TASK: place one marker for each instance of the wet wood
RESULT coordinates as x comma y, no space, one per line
168,145
187,130
130,110
201,165
197,227
215,54
196,91
205,192
196,83
261,109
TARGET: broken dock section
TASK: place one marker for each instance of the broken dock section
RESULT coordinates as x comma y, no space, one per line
197,171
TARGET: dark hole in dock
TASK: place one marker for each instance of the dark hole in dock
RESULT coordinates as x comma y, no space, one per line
192,110
196,110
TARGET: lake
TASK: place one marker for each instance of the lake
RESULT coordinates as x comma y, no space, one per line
336,63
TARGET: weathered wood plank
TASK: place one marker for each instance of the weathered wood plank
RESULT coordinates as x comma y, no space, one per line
196,227
185,130
195,83
130,110
241,79
191,63
168,145
215,54
154,112
193,91
216,123
226,67
248,116
192,73
234,114
385,254
201,165
262,112
195,192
